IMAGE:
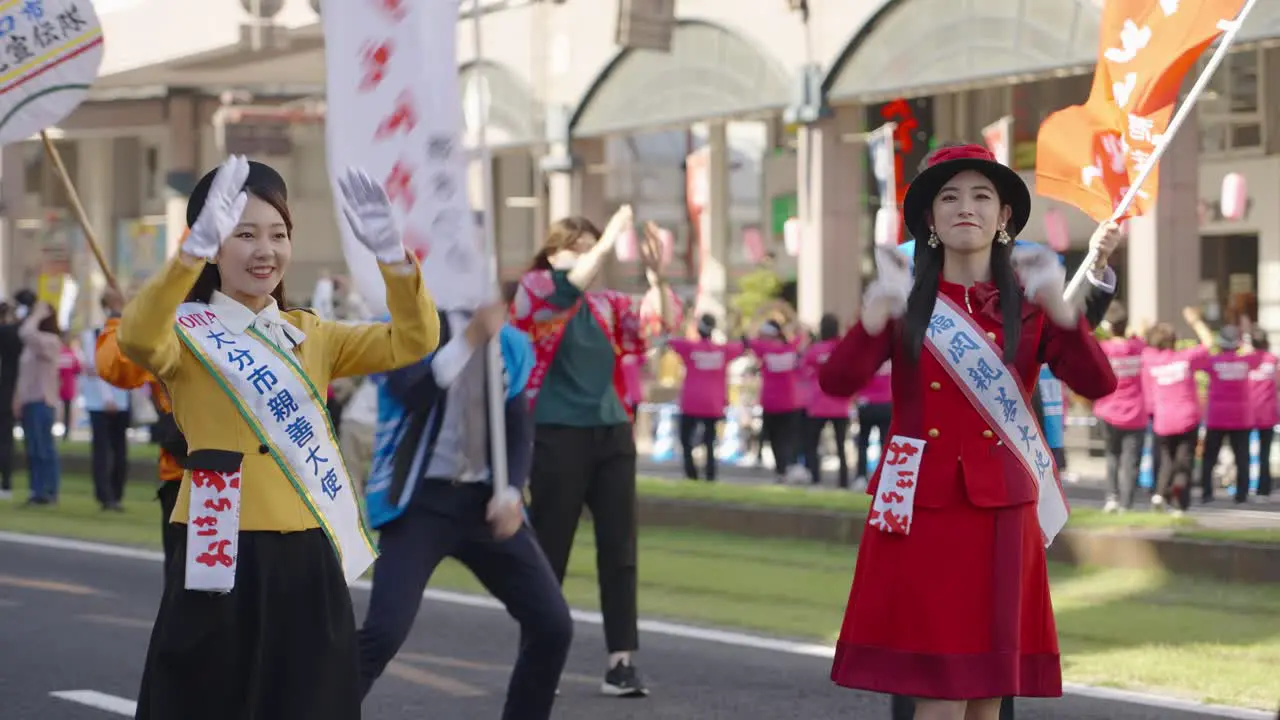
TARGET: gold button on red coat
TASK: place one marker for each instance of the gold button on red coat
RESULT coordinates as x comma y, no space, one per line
933,432
991,336
935,385
988,434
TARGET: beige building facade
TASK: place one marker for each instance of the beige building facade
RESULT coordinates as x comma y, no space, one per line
778,103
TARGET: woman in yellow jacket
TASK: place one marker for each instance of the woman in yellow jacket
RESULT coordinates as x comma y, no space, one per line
256,618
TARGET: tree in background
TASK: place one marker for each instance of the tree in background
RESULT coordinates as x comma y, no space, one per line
756,290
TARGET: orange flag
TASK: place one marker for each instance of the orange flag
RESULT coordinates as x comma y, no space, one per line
1089,155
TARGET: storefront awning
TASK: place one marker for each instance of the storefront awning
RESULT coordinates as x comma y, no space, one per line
917,47
709,73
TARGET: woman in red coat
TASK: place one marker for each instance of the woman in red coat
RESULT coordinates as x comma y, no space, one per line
950,600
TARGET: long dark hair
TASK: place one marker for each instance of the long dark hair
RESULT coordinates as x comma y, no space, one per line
924,293
210,279
829,327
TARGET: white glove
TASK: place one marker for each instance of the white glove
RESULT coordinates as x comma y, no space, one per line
368,210
223,208
881,303
1043,280
1038,270
886,296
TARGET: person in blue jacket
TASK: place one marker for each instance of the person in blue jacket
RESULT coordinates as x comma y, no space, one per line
431,496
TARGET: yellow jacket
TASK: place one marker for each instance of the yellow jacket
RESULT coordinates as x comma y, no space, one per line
210,420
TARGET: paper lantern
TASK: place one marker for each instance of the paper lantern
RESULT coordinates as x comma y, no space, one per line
668,245
1056,234
626,248
1235,196
752,245
791,236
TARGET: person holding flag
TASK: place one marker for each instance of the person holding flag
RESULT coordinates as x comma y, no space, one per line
965,497
431,495
256,617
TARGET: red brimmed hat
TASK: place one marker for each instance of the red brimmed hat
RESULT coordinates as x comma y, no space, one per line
945,164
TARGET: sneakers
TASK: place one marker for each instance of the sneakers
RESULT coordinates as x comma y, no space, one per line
1111,506
623,680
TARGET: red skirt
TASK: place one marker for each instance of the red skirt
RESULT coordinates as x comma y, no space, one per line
957,610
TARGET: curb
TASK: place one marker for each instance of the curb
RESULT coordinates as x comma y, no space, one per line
1237,562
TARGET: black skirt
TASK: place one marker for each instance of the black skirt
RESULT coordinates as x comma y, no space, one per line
280,646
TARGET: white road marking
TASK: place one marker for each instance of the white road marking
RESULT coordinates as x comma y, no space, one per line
101,701
657,627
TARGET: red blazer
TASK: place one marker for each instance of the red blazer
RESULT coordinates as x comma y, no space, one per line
963,456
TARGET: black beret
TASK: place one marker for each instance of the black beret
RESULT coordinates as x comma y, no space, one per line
262,177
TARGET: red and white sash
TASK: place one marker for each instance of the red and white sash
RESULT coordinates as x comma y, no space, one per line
976,366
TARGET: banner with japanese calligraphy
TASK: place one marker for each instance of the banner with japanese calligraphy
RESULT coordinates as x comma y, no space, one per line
52,52
912,138
395,110
1088,155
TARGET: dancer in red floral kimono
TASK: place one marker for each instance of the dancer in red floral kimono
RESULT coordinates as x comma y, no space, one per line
584,450
950,600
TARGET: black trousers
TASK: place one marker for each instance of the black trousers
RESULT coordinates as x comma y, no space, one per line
904,708
6,447
874,415
1124,461
109,450
167,494
1177,456
1265,436
280,645
595,467
1239,441
813,427
782,431
514,571
689,426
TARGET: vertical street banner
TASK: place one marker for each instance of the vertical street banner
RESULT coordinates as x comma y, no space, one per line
997,135
912,141
52,52
1091,155
882,159
395,111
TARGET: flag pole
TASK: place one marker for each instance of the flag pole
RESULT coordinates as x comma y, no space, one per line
497,388
1220,54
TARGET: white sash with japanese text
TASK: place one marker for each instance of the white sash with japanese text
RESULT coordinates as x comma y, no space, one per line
274,395
893,507
975,365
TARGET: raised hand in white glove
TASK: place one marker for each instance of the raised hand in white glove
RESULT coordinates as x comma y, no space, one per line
368,210
1043,279
223,208
886,296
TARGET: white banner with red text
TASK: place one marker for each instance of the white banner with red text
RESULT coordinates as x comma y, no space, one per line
395,110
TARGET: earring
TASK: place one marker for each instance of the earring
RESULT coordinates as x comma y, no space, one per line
933,238
1004,237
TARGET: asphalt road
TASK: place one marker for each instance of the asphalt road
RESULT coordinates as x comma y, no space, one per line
76,623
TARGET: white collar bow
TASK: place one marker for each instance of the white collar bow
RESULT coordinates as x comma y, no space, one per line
238,319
